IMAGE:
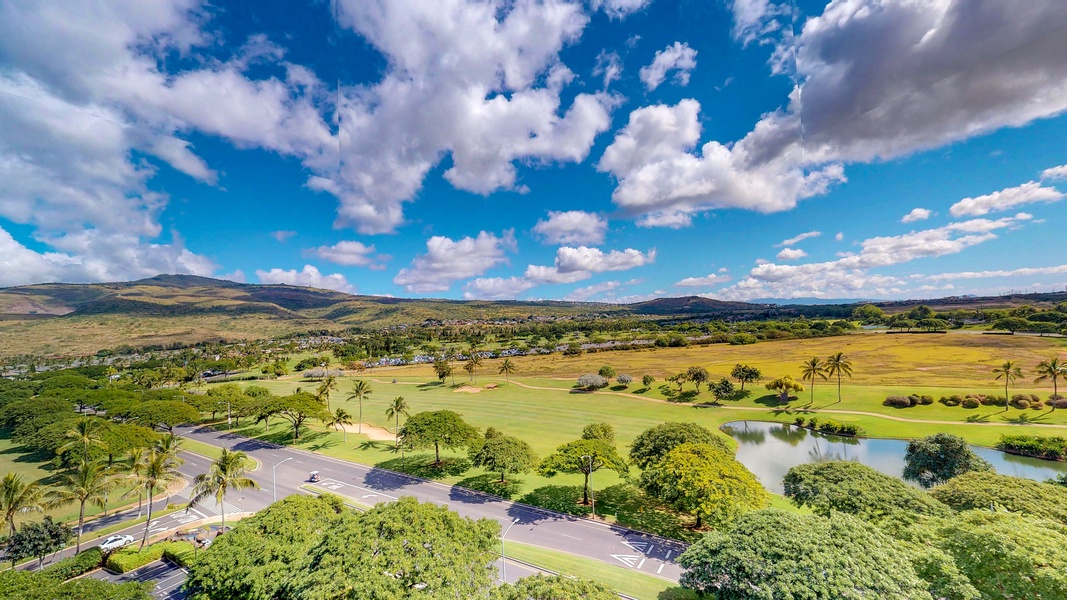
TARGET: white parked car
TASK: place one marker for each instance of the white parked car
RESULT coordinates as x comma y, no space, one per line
115,542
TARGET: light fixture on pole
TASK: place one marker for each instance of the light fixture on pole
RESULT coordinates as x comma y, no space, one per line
274,477
503,559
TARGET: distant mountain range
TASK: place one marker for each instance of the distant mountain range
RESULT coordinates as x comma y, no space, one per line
81,318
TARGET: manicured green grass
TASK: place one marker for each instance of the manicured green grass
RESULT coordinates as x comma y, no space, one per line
628,581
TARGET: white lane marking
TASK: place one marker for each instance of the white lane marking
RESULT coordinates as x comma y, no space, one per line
627,559
571,536
642,547
668,557
660,569
641,564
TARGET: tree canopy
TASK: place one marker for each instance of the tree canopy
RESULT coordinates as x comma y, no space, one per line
437,429
978,490
859,490
556,587
503,454
166,414
585,457
655,442
937,458
26,585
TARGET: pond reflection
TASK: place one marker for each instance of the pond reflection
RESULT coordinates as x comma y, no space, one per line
770,449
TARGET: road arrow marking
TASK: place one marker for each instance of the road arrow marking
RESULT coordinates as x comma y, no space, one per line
627,559
639,546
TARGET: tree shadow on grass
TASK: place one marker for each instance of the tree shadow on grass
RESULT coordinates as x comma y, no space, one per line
1023,419
431,384
977,418
677,593
325,444
488,483
559,498
422,465
771,400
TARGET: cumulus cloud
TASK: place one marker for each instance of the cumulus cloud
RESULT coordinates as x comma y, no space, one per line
481,82
851,276
609,66
595,260
1059,172
875,81
447,261
840,236
309,276
1027,193
791,254
807,235
917,214
572,227
756,19
1020,272
678,57
585,293
282,235
619,8
352,254
496,288
705,281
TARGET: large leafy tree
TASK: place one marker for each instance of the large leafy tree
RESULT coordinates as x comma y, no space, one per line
776,554
703,480
18,496
654,443
856,489
256,558
228,472
585,456
1009,372
404,549
166,414
978,490
437,429
784,387
811,370
87,483
698,376
1051,369
838,364
503,454
38,539
296,408
937,458
360,390
746,374
556,587
26,585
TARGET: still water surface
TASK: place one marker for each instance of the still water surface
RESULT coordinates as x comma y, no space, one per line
770,449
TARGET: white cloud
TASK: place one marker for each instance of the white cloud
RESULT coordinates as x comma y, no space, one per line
1027,193
798,238
309,276
791,254
1059,172
851,276
496,288
705,281
609,66
447,261
572,227
619,8
479,81
1020,272
840,236
678,57
585,293
594,260
754,19
876,80
351,253
282,235
917,214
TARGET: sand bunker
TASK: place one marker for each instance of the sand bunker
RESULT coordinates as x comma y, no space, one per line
468,389
373,432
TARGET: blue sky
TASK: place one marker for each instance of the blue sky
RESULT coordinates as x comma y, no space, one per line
607,150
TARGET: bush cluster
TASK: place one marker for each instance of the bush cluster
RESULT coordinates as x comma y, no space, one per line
908,401
830,426
591,381
128,559
1048,447
72,566
1020,401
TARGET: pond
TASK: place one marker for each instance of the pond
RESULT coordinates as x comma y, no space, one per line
770,449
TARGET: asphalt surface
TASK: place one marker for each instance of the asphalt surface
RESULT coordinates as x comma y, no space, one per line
168,577
619,546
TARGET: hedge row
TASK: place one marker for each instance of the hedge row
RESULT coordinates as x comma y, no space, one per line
72,566
1020,401
907,401
180,553
1040,446
128,559
829,426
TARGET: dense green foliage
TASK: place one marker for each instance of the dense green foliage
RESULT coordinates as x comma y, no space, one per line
859,490
585,456
940,457
24,585
72,566
503,454
771,554
558,587
654,443
1047,447
37,539
983,489
129,558
437,429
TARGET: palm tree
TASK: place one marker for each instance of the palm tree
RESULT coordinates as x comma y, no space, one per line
327,386
812,368
338,419
1009,373
158,469
507,368
838,364
85,433
360,391
1051,369
88,483
132,467
172,445
17,496
450,356
226,473
398,408
472,365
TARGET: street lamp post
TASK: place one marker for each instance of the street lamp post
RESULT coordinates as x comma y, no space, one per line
592,494
228,422
503,559
274,477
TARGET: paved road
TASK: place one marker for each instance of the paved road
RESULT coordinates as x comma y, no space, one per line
168,577
614,545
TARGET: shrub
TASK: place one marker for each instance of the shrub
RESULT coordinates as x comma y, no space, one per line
953,400
590,381
813,422
1021,403
648,380
799,422
833,427
1037,405
1050,447
72,566
179,553
1055,397
971,403
624,379
1060,403
897,401
128,559
926,399
606,372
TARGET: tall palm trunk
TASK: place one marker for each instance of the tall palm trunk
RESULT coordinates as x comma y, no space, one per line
148,520
81,524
